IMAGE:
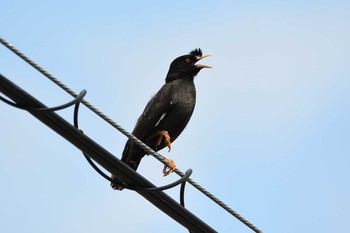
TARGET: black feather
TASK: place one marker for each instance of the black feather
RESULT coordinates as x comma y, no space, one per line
196,52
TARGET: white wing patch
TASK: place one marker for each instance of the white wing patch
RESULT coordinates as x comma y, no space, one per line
160,119
162,116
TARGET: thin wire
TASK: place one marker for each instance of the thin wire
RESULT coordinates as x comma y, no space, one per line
57,108
182,194
138,142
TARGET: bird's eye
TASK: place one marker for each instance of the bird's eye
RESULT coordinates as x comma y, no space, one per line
188,60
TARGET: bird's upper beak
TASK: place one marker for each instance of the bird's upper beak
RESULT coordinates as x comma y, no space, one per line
201,57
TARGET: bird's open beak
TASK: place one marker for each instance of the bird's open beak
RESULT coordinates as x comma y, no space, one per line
201,57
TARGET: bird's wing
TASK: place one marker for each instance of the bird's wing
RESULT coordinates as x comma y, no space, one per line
153,113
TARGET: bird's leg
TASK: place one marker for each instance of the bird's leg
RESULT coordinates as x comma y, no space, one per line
164,134
170,168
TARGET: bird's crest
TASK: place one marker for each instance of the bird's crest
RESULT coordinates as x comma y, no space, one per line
196,52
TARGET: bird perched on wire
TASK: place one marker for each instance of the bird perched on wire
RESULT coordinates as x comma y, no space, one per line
167,113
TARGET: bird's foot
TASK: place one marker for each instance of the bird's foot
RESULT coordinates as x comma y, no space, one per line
116,187
117,184
164,135
170,168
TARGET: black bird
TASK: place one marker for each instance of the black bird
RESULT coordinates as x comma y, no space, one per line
168,112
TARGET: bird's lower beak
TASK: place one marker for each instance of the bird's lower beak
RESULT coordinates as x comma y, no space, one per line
203,66
201,57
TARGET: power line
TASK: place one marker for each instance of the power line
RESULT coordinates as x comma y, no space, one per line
142,145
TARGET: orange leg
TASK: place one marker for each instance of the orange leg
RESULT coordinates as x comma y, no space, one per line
163,134
170,168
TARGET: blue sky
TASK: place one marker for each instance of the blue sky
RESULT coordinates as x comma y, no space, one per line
269,135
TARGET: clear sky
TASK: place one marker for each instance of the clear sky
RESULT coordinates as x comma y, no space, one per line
269,135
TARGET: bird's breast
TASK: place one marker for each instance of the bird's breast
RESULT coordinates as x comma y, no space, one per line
182,106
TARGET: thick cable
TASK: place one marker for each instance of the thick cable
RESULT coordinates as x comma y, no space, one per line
138,142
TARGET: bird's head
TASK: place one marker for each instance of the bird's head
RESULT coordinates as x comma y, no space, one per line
185,66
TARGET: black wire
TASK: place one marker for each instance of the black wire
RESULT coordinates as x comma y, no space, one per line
76,125
165,187
182,193
60,107
75,115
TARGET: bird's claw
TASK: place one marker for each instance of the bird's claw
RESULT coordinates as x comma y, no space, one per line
164,134
117,184
114,186
170,168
